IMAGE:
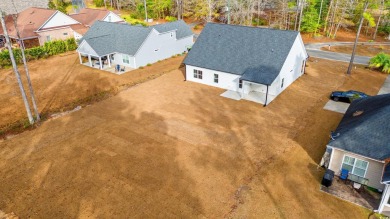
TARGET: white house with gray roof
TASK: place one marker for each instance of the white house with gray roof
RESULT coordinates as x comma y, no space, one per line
107,44
252,63
361,146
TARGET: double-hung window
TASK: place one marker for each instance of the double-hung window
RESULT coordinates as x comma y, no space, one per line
355,166
126,59
198,74
240,83
216,78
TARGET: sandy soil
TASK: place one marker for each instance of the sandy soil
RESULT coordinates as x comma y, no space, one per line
363,50
169,148
342,36
60,82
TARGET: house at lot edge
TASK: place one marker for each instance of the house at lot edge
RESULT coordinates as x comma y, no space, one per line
251,63
361,145
106,44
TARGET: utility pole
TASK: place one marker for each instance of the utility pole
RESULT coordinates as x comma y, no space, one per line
146,12
8,42
38,118
300,14
356,39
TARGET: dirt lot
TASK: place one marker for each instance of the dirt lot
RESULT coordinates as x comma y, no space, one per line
363,50
60,82
169,148
342,36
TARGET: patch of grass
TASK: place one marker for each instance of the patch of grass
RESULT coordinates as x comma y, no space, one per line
24,124
148,64
133,21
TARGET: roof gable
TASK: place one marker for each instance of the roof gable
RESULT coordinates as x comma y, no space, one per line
28,21
89,16
58,19
236,49
107,37
365,129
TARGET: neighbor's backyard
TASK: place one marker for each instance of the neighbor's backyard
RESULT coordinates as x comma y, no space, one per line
169,148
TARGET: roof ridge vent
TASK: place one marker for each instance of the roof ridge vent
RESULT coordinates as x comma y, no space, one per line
358,113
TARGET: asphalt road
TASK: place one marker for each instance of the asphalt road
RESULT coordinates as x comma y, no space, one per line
314,50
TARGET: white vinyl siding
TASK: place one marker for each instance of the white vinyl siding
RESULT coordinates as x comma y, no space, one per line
373,172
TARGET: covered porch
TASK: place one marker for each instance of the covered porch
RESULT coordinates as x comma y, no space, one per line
104,63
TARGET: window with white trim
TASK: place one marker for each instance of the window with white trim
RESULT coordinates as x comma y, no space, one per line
240,83
125,59
48,38
65,34
109,18
216,78
198,74
355,166
281,86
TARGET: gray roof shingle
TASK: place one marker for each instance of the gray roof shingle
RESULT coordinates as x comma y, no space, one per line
107,37
256,53
365,128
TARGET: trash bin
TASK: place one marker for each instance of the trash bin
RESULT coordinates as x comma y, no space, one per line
328,178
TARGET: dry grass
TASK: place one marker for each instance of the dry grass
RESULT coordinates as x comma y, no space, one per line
61,83
169,148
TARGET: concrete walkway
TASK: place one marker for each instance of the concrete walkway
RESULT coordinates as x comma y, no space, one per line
314,50
385,89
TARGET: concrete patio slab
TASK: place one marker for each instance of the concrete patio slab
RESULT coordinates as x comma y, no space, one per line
231,95
338,107
385,89
362,197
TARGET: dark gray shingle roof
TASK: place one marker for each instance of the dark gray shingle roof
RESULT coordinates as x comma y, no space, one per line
365,128
107,37
256,53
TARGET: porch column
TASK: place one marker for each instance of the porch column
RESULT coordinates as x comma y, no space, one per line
81,60
109,61
89,60
100,63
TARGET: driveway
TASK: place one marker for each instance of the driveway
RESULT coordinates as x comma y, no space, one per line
314,50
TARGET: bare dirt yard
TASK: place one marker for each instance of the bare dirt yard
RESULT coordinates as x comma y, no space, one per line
174,149
62,83
362,50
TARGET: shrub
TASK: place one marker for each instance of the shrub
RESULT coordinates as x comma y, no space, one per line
148,64
381,61
170,18
49,49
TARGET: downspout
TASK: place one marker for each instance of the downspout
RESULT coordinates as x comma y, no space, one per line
266,96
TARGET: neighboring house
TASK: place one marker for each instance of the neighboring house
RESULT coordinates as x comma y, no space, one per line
361,145
252,63
88,16
39,25
134,46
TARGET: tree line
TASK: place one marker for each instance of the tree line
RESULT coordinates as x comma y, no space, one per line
317,17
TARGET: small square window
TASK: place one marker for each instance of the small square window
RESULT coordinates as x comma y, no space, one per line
65,34
216,78
198,74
